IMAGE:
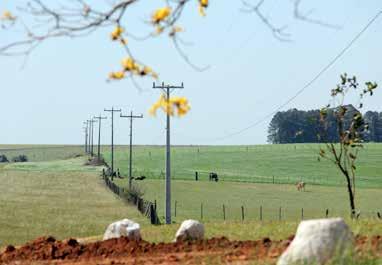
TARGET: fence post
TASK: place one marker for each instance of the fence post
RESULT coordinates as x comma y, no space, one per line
302,213
327,213
223,212
242,213
273,179
280,214
201,211
261,213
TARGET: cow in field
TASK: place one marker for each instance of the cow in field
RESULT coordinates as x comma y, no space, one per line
214,176
300,186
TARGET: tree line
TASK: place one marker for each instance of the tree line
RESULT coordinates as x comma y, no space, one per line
299,126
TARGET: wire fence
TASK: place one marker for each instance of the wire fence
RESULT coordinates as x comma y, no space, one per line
210,211
147,208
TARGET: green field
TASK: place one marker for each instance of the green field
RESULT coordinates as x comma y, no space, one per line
38,153
253,177
59,197
55,194
260,164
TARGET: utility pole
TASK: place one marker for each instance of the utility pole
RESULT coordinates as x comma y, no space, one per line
99,135
112,110
92,137
131,116
89,135
167,89
86,136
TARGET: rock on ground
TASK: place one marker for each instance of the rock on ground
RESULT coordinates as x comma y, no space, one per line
190,230
317,241
125,227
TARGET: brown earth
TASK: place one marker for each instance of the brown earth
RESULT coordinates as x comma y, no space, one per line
47,250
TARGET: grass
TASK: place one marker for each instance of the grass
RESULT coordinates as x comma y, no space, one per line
189,195
59,198
38,153
261,163
246,174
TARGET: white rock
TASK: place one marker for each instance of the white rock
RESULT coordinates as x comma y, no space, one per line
125,227
317,241
190,229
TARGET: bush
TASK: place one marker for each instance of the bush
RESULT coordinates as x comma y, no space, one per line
20,158
136,191
3,159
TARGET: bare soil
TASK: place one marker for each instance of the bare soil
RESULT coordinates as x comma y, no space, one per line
48,250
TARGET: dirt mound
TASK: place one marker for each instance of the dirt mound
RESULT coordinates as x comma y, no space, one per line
94,161
47,250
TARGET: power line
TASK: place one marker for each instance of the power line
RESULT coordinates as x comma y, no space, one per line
307,85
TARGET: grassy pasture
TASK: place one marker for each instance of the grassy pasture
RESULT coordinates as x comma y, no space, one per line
38,153
60,198
286,163
240,167
190,195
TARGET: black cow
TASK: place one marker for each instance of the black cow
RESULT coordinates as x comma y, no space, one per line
140,178
214,176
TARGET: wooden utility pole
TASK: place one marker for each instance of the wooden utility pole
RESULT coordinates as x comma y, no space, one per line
92,137
112,110
86,136
167,89
89,134
131,117
99,135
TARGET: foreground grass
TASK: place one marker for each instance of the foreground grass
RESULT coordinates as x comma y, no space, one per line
59,198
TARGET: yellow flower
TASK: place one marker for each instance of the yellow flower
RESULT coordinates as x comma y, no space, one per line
175,30
117,75
201,11
161,14
123,41
7,15
116,33
203,3
180,104
129,64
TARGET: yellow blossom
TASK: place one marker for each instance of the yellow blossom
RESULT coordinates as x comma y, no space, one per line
161,14
180,104
7,15
116,33
129,64
203,3
123,41
201,11
117,75
175,30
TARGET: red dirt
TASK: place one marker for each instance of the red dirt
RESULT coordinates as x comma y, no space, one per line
47,250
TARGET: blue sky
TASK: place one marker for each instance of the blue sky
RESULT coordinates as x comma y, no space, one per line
251,74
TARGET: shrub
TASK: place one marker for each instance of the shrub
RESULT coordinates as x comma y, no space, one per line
3,159
20,158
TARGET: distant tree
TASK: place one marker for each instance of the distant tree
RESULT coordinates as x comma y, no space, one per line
3,159
297,126
351,133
